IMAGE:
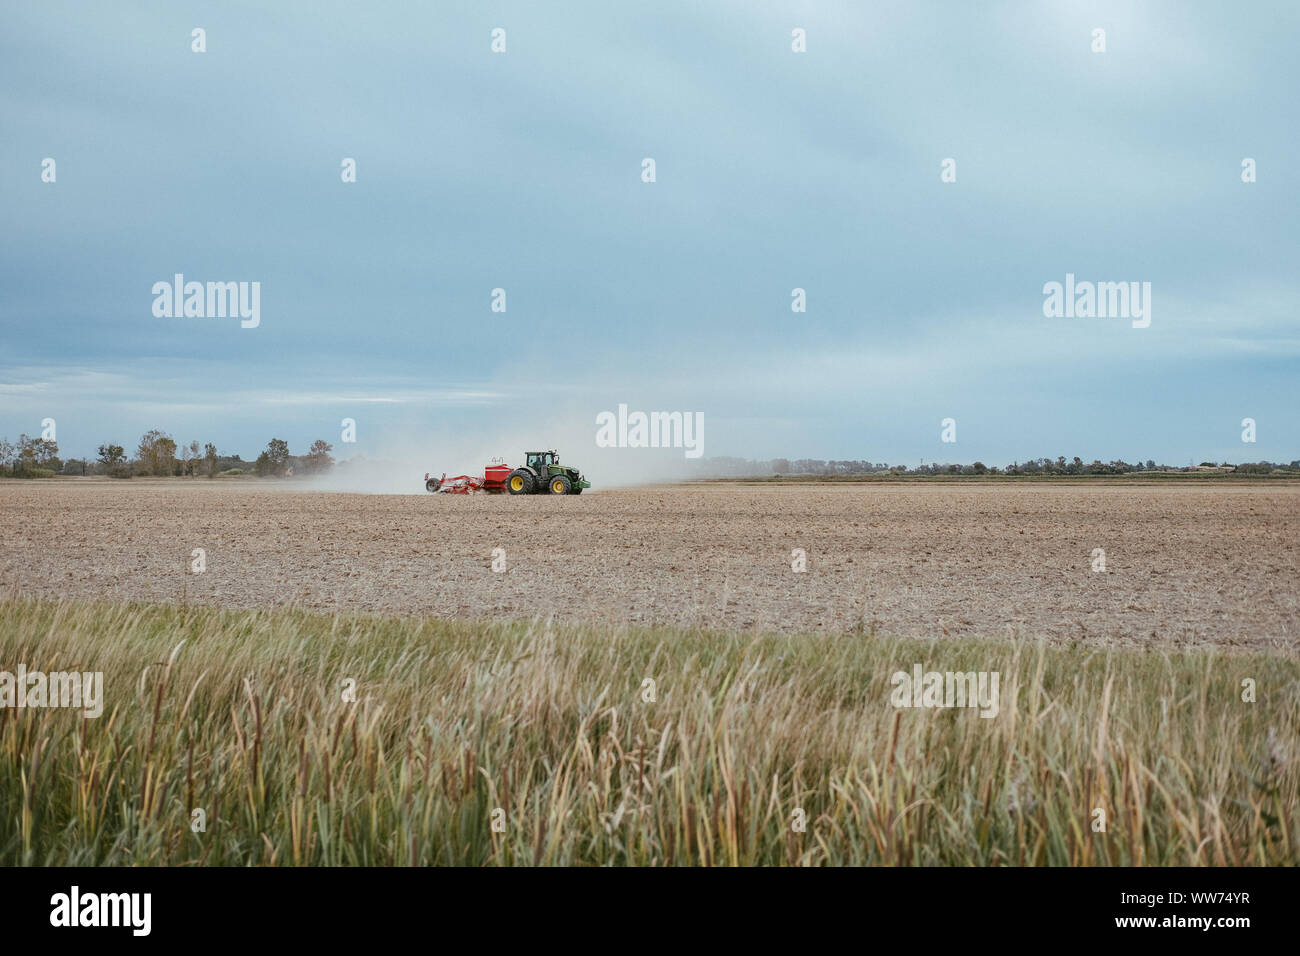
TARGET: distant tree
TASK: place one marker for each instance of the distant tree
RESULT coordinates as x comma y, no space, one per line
210,460
111,454
36,454
318,459
112,461
190,456
278,450
24,456
1254,468
166,450
156,454
275,460
980,468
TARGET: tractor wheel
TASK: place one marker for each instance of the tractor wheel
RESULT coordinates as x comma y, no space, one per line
560,485
433,484
521,482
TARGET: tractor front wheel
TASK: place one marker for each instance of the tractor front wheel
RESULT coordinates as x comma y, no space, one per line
560,485
521,482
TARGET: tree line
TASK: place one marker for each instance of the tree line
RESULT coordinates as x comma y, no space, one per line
158,455
724,467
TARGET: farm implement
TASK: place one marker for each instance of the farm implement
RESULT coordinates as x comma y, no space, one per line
541,473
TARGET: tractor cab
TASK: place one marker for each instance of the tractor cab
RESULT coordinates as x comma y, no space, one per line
541,461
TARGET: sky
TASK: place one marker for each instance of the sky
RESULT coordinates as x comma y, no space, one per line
775,170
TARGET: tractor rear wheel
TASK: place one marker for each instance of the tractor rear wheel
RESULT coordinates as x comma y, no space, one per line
560,485
521,482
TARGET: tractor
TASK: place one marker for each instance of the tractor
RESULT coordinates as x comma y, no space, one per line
542,473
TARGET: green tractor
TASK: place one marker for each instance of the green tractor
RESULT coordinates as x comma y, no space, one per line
542,473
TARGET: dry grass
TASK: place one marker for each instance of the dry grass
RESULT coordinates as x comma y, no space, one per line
241,713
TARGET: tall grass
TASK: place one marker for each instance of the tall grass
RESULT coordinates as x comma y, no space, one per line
242,715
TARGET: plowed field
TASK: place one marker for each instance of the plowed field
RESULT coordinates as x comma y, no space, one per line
1202,563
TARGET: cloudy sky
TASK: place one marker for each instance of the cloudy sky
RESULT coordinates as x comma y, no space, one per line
775,170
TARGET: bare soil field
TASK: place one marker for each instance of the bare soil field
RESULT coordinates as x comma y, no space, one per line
1204,564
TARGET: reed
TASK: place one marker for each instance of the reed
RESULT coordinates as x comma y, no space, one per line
545,727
